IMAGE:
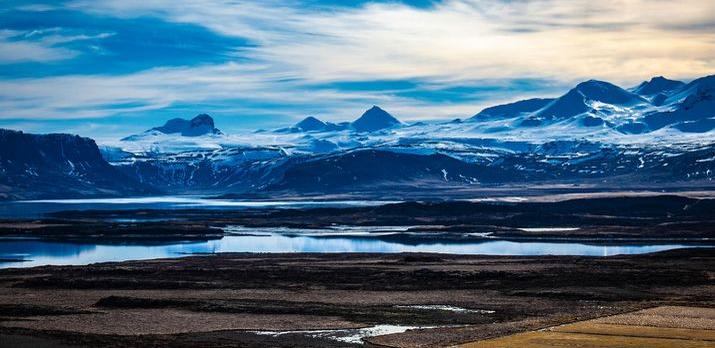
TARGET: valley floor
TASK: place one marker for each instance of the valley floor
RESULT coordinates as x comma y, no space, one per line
319,300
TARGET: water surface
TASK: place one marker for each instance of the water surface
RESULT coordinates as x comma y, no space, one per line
37,208
393,239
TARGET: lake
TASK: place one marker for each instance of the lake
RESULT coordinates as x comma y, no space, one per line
37,208
390,239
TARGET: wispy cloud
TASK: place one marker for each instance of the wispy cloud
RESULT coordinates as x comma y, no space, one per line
623,40
13,48
94,96
295,47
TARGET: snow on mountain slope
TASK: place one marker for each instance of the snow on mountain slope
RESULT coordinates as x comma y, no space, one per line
692,108
596,130
590,96
592,110
658,89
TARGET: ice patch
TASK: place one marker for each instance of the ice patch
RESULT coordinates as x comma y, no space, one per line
354,336
447,308
514,199
550,229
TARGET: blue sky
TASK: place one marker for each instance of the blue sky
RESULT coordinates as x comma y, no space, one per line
108,68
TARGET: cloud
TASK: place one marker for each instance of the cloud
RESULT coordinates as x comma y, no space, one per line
622,40
96,96
14,50
42,45
438,46
246,90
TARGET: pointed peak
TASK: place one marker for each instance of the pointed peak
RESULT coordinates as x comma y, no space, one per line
310,123
376,110
311,119
374,119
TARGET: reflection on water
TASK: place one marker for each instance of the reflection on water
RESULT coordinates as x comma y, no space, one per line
286,240
23,249
36,208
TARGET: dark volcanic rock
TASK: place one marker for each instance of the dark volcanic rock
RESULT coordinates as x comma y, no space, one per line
368,168
200,125
58,165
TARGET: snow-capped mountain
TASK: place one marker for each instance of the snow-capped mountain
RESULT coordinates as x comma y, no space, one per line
587,97
596,134
202,124
176,135
690,108
372,120
598,109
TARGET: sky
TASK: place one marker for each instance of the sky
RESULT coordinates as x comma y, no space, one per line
109,68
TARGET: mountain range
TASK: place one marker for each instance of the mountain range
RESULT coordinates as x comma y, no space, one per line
597,134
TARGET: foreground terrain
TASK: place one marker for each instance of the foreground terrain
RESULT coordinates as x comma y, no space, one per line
338,299
666,326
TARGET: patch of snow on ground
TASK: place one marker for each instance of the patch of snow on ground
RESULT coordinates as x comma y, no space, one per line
354,336
447,308
550,229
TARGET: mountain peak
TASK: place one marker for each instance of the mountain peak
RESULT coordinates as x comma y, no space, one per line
657,85
579,99
202,119
594,87
310,123
202,124
374,119
593,82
